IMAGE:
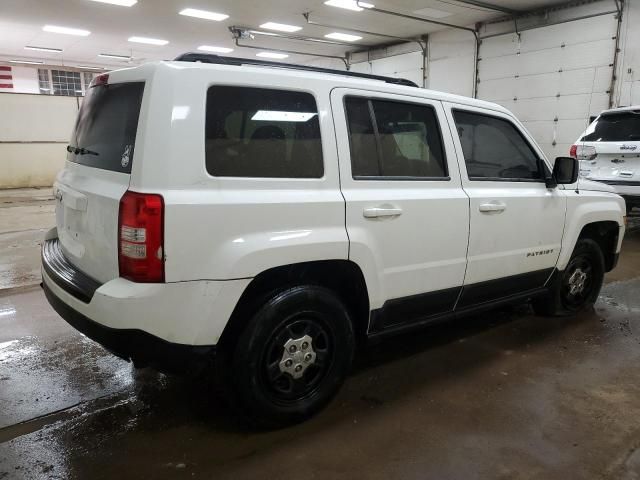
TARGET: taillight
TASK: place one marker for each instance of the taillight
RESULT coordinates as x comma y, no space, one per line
583,152
141,237
101,79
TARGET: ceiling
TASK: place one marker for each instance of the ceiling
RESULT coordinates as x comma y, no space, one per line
21,23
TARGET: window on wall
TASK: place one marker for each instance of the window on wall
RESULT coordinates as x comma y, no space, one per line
66,83
394,140
43,81
61,82
495,149
87,77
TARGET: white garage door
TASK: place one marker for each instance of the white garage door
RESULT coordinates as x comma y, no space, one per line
406,65
553,78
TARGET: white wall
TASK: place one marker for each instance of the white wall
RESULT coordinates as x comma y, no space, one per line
25,79
34,130
404,61
553,76
449,68
451,62
628,85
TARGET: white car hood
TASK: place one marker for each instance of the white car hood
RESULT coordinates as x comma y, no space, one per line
591,185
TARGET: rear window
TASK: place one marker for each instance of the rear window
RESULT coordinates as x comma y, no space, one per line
106,127
258,132
615,127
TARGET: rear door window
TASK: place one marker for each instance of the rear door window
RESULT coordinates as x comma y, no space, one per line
105,130
259,132
614,127
392,139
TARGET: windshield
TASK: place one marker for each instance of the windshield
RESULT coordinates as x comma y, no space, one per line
614,127
105,131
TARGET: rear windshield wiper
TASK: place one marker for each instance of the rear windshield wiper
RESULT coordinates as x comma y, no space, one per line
80,150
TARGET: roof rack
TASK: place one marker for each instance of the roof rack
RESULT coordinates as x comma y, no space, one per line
217,59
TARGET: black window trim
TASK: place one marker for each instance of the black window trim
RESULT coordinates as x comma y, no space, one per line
369,99
267,179
496,179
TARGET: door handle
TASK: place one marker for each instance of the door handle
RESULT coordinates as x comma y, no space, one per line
492,207
376,212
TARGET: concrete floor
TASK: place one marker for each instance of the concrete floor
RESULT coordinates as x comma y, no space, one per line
504,395
25,215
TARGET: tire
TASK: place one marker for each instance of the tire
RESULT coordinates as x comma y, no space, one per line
576,288
291,358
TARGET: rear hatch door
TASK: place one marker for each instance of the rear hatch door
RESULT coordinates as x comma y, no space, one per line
611,147
97,174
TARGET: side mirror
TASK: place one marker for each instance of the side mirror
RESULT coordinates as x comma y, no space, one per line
565,170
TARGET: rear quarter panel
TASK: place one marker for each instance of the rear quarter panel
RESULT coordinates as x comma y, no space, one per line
219,228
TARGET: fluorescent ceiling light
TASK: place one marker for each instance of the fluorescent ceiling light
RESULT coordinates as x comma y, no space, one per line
28,62
282,27
194,12
280,116
349,4
113,55
258,32
66,31
271,55
209,48
122,3
44,49
148,41
432,12
343,36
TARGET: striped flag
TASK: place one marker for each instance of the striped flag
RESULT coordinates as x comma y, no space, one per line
6,78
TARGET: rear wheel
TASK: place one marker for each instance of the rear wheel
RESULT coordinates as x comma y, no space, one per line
292,356
577,287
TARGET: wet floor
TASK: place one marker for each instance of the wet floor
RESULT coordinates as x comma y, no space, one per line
25,215
503,395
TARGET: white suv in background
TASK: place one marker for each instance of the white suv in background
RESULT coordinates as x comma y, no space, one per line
609,152
272,216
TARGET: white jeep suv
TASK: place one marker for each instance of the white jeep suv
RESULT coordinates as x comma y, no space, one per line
272,216
609,152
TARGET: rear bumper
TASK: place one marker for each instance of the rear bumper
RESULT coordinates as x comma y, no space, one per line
165,325
142,348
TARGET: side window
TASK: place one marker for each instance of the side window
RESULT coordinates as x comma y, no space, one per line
494,148
259,132
394,139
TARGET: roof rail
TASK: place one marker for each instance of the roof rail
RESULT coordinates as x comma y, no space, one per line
209,58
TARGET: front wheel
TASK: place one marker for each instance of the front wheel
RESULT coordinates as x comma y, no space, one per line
292,356
577,287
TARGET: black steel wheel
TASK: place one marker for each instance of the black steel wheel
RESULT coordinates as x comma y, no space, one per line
577,281
296,358
576,288
291,357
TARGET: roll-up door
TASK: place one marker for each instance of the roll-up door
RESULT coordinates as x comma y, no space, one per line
553,78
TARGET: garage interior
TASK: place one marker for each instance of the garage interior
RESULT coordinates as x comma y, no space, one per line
504,394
